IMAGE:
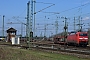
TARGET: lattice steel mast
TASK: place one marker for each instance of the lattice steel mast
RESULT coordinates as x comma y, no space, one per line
27,24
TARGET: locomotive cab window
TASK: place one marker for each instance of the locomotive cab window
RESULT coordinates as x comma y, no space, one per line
82,34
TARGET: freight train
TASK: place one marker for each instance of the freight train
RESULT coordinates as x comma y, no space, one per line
73,38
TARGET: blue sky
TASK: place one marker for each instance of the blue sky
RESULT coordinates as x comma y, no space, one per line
16,11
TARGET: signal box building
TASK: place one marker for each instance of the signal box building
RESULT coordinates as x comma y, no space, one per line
11,32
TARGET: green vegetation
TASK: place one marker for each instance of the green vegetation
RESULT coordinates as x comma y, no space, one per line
8,53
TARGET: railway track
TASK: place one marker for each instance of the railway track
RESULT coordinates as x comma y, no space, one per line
73,50
54,47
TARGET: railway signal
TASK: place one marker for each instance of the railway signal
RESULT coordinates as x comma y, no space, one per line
65,31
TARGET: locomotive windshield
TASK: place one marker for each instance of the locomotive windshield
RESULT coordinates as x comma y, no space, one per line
82,34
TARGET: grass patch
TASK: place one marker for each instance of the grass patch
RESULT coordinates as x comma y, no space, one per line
8,53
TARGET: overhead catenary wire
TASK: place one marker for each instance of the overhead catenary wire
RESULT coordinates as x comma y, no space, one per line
22,12
68,9
75,7
44,3
44,8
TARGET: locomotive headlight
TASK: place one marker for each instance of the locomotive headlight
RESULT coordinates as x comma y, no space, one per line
83,38
80,38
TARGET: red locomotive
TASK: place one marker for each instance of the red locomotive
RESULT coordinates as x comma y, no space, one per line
78,39
74,38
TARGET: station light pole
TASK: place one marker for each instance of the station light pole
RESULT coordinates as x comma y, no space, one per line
3,27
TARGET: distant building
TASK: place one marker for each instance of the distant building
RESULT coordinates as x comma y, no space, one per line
11,32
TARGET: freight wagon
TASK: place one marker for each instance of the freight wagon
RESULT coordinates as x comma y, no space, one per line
59,40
